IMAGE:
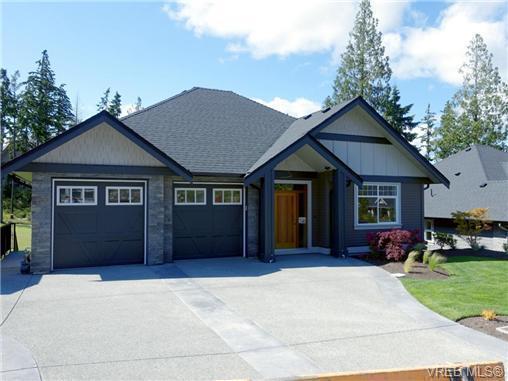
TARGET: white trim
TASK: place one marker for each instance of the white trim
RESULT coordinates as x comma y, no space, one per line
54,180
309,206
227,203
204,183
381,225
94,203
189,203
118,203
431,230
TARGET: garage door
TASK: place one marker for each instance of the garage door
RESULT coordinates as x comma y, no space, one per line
207,221
98,223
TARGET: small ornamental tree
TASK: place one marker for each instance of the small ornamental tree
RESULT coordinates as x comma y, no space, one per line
470,224
393,243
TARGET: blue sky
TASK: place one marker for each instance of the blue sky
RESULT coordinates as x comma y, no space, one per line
284,54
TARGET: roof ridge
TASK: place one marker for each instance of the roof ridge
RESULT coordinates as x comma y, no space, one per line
159,103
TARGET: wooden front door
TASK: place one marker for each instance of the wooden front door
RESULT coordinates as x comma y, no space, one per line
286,219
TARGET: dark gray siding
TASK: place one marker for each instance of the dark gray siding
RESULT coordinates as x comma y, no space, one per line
321,187
411,209
252,221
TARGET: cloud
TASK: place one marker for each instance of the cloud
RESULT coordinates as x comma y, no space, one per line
263,28
439,51
297,108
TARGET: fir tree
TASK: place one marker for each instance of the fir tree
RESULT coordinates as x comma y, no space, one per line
428,123
104,102
451,139
115,107
364,68
398,117
138,105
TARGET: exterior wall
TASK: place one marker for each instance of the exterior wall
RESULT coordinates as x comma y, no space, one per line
492,239
168,218
42,216
100,145
252,221
355,122
321,188
411,214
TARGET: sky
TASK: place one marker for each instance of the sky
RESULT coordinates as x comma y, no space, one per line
281,53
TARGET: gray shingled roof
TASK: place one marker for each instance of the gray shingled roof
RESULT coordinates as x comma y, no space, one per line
298,129
210,131
478,179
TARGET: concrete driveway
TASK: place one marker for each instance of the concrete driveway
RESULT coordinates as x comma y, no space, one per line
223,319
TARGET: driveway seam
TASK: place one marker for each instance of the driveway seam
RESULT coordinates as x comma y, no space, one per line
17,300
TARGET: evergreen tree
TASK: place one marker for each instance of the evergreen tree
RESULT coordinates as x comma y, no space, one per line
428,123
481,105
6,105
364,68
45,108
104,102
451,136
115,107
138,105
398,117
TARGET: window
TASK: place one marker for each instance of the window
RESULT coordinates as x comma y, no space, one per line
124,195
377,204
190,196
429,230
76,195
227,197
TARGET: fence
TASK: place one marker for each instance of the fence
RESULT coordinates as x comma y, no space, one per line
9,240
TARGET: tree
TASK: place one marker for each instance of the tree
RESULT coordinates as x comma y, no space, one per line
138,105
45,109
480,105
398,117
364,68
471,223
428,123
104,102
6,105
115,107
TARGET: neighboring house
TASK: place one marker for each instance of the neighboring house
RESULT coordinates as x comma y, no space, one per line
478,179
209,173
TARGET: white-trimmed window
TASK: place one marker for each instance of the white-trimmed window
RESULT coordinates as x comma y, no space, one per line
227,196
190,196
76,195
124,195
377,204
429,230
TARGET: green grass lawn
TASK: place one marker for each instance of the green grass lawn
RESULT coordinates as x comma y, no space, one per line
475,284
24,234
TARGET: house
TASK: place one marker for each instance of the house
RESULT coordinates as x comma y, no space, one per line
210,173
478,179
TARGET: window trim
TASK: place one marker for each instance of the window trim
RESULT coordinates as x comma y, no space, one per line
108,203
176,203
430,230
379,225
71,187
227,203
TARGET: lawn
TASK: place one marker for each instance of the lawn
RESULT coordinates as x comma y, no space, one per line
24,234
475,284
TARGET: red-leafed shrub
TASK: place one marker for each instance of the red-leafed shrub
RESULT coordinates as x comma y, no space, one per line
395,243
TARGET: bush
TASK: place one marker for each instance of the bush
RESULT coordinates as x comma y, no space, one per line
393,243
435,260
444,239
470,224
408,264
426,256
505,247
420,247
489,314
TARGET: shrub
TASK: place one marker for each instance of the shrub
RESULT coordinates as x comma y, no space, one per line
426,256
408,264
505,247
420,247
489,314
393,243
445,239
470,224
435,260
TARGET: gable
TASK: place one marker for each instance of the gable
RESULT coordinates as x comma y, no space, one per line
101,145
366,156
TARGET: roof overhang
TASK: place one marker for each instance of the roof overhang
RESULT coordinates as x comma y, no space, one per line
294,147
433,173
24,160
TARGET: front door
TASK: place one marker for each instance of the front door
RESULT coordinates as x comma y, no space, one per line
286,219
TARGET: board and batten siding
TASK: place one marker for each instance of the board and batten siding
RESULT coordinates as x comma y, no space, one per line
411,200
101,145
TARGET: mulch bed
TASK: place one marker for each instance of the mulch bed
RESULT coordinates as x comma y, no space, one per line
487,326
419,270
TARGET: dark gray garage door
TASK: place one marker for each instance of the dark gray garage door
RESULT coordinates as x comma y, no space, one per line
98,223
207,221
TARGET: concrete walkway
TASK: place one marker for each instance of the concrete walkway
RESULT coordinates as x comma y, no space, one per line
224,319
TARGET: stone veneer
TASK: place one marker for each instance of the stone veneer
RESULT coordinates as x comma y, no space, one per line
158,237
